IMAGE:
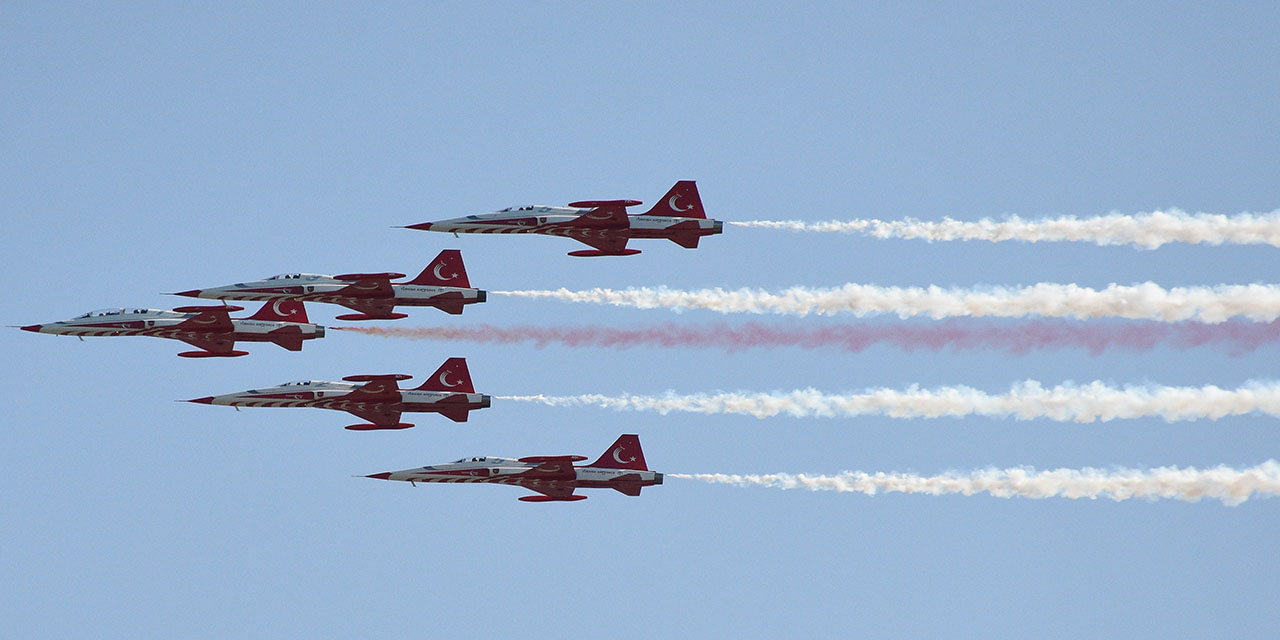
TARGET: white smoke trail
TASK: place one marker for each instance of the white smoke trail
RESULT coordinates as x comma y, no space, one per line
1146,301
1145,230
1028,400
1231,486
1233,337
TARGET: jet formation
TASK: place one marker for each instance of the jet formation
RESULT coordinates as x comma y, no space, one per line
379,400
209,328
621,468
603,225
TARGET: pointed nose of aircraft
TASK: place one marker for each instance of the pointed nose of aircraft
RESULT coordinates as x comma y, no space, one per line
204,400
421,226
194,293
385,475
32,327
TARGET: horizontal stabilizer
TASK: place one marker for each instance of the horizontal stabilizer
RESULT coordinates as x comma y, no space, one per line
456,415
686,241
628,488
288,337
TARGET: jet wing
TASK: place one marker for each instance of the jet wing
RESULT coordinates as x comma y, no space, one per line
557,468
606,216
550,492
207,319
212,344
380,387
385,416
368,285
374,308
603,241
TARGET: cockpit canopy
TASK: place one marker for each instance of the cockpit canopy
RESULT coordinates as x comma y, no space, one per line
299,383
294,276
110,312
479,459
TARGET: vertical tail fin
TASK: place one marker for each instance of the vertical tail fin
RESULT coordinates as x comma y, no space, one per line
445,271
282,311
682,201
624,453
452,377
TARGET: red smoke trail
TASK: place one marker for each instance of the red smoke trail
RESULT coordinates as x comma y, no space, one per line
1233,337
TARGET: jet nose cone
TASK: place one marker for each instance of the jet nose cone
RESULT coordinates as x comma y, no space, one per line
32,327
194,293
385,475
204,400
421,226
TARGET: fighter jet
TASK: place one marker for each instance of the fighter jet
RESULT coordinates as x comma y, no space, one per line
210,328
443,285
379,401
602,224
621,468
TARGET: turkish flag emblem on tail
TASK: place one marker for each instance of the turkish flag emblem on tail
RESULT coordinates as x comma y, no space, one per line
624,453
445,271
452,376
282,311
682,201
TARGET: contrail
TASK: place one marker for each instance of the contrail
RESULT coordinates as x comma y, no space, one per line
1145,230
1234,337
1146,301
1095,401
1231,486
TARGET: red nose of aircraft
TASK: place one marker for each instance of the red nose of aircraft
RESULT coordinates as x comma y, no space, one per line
204,400
385,475
421,226
194,293
32,327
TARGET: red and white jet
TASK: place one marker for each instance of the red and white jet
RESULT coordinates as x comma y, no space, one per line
210,328
379,401
602,224
621,468
443,285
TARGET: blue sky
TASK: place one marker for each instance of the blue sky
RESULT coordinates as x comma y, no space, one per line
157,147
